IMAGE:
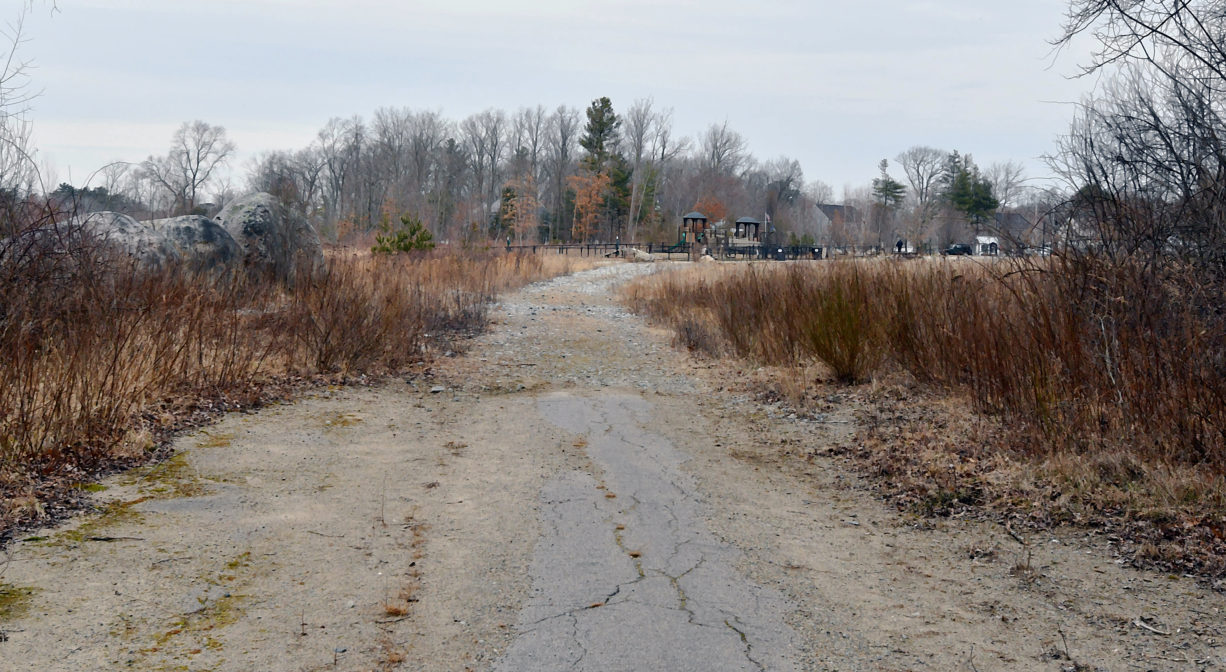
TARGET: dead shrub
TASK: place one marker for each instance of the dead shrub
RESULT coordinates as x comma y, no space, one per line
695,336
831,319
1108,375
96,351
1091,357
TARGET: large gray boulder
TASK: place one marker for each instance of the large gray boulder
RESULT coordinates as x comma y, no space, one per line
88,239
272,238
202,242
148,246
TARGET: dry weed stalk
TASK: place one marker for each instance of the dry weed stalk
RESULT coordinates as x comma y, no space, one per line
1107,379
97,352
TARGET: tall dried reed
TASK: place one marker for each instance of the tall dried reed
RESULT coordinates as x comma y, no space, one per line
90,341
1092,357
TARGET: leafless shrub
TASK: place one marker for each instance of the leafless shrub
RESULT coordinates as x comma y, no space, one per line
91,343
1099,388
1090,356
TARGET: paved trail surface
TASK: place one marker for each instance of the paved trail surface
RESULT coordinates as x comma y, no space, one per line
632,579
572,494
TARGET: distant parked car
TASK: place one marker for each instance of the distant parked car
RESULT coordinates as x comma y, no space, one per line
957,250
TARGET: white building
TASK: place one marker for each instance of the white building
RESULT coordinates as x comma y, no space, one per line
986,246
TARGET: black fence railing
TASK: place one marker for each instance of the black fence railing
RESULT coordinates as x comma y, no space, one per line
678,250
579,249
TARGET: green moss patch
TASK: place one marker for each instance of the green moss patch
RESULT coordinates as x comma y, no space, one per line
110,515
341,420
211,440
14,601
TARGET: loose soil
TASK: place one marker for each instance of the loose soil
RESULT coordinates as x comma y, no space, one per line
405,525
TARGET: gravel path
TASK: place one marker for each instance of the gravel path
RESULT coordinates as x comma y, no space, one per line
572,493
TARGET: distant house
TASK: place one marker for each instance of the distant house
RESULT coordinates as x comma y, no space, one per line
987,246
842,215
840,222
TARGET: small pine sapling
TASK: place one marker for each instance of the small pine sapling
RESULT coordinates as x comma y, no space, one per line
411,235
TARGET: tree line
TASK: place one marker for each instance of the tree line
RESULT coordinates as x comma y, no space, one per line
946,198
560,175
535,175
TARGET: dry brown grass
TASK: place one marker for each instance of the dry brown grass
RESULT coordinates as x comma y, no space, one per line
395,609
99,357
1057,391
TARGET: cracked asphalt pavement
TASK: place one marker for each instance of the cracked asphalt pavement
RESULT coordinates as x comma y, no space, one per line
626,575
573,493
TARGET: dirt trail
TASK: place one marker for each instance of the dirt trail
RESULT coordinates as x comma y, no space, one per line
573,494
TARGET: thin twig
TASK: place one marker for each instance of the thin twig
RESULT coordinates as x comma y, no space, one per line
394,620
1185,659
330,536
1009,529
1065,640
115,538
383,501
1142,624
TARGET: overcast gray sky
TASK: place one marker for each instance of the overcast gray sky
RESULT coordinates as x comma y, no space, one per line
836,85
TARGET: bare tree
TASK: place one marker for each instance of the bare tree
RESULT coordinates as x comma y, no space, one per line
391,131
484,135
1146,157
1006,179
333,143
19,172
295,178
117,177
493,129
819,192
640,122
530,126
723,149
563,141
785,181
1170,35
451,185
857,200
429,131
664,147
923,167
18,166
197,150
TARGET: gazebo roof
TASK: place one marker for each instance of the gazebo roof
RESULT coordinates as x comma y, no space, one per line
695,215
747,220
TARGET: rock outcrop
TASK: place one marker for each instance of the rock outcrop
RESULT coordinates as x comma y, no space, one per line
201,242
255,231
147,245
272,238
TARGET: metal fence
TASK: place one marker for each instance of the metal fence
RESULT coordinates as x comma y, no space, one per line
679,250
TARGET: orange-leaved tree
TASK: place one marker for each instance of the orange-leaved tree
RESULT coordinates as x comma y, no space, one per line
590,190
